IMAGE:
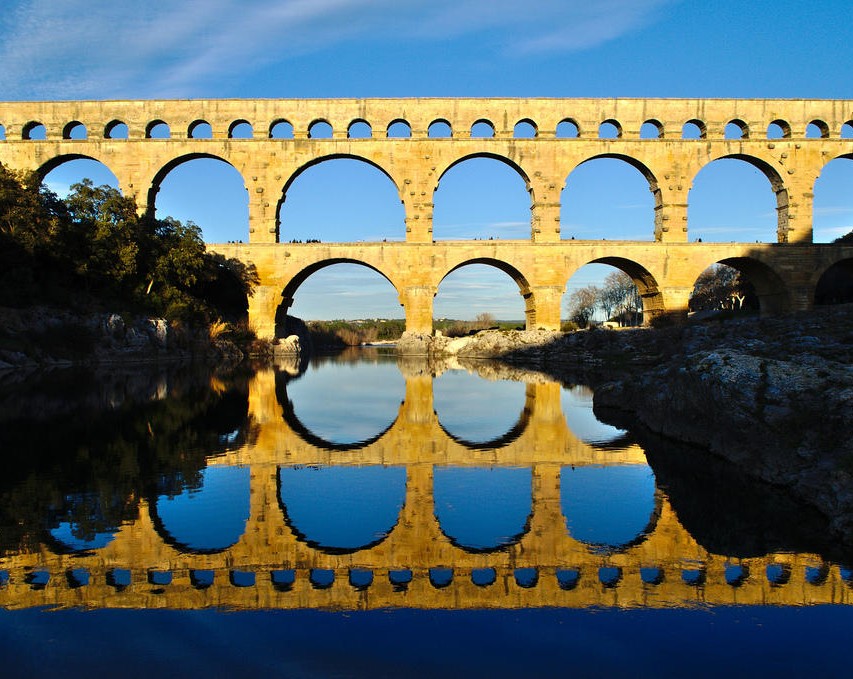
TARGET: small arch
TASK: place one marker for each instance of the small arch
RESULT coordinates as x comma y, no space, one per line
651,129
241,129
320,129
74,130
482,129
694,577
567,578
567,129
525,129
200,129
610,129
817,575
360,579
2,133
847,130
399,129
400,579
283,579
440,577
526,578
483,577
202,578
651,575
157,129
116,129
440,129
321,578
736,574
817,129
778,574
609,576
241,578
779,129
359,129
694,129
736,129
281,129
34,130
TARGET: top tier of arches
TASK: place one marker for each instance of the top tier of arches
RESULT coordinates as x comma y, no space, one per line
646,119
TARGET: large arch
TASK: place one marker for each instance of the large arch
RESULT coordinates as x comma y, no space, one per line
773,294
833,205
480,195
299,220
98,168
737,186
217,213
581,219
515,275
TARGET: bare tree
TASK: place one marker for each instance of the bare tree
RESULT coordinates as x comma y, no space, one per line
582,305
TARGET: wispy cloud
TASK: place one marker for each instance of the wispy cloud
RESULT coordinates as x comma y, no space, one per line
58,48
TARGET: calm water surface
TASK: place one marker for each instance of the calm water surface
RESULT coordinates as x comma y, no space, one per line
364,518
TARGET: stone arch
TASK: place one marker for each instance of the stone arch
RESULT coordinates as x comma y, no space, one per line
241,129
846,131
694,129
838,177
646,173
524,287
482,129
53,163
526,128
647,285
289,291
158,127
320,128
163,172
610,129
777,184
34,130
567,128
817,129
440,128
115,128
74,130
280,129
651,129
774,296
2,132
200,129
359,128
834,284
398,128
492,156
736,129
322,159
779,129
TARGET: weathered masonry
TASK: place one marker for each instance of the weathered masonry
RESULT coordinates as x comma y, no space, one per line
415,141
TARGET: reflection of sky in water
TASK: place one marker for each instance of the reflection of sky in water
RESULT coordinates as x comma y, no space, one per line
342,507
64,533
474,409
607,506
212,517
348,402
577,407
482,507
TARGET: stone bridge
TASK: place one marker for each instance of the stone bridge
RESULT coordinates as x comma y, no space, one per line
417,564
414,142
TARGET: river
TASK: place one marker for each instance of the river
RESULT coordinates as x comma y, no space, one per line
365,515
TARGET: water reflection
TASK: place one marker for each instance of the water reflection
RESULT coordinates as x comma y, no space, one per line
249,492
342,509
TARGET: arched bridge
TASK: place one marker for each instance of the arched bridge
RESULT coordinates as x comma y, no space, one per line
416,141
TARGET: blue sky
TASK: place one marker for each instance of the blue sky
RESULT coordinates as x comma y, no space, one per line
101,49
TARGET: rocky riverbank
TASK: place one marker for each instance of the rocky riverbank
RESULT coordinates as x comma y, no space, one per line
44,337
773,396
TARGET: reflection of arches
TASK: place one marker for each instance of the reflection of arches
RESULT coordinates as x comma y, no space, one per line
579,207
346,180
835,285
483,509
609,508
323,382
208,519
458,393
770,173
341,510
84,523
576,404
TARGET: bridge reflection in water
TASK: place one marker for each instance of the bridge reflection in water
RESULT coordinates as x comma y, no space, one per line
381,523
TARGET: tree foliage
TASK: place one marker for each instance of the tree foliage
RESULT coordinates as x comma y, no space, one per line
92,249
617,299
